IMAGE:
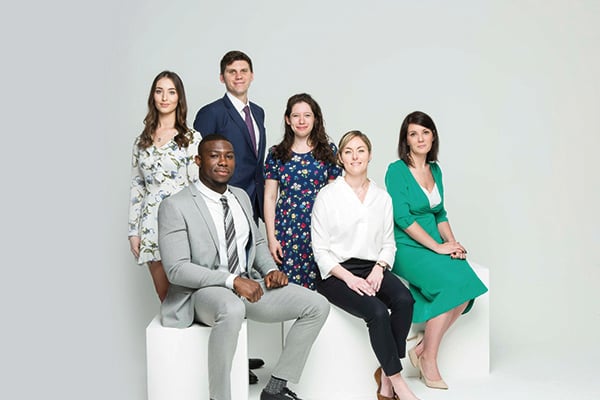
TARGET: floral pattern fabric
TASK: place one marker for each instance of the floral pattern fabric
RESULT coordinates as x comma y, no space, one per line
157,173
300,179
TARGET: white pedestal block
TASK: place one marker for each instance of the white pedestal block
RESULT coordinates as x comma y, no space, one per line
177,363
465,349
341,362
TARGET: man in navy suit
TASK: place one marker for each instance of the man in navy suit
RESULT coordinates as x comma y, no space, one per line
242,123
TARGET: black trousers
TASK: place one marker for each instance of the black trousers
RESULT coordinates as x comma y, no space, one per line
388,314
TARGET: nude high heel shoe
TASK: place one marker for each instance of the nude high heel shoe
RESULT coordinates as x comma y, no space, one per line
439,384
412,353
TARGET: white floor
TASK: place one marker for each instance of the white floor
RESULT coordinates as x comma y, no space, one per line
520,372
514,382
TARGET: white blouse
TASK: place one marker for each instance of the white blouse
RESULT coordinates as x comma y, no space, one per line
434,196
342,227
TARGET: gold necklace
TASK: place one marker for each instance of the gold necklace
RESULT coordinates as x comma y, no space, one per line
160,138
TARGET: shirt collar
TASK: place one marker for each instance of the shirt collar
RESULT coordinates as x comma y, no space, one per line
237,103
209,193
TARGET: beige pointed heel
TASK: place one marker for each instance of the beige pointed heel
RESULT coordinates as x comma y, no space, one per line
412,353
439,384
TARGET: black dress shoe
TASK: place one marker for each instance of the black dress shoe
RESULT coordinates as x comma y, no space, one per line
252,379
254,363
284,394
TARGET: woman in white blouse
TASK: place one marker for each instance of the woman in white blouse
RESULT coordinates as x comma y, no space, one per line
353,243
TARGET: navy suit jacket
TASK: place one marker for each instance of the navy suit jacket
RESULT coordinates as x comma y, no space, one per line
221,117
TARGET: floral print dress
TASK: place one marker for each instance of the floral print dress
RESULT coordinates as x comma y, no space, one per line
300,179
157,173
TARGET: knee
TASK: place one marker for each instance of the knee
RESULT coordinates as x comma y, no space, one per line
323,307
402,299
319,307
232,313
378,314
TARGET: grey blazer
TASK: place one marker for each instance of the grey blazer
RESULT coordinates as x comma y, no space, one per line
189,247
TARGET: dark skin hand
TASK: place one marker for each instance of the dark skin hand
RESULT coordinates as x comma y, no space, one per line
247,288
251,290
276,279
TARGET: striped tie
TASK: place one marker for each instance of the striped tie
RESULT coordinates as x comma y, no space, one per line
232,254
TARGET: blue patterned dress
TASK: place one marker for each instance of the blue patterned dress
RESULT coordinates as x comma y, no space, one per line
300,179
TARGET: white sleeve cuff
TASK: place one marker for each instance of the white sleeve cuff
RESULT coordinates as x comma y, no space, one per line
229,281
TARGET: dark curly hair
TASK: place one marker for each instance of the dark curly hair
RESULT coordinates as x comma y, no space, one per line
318,138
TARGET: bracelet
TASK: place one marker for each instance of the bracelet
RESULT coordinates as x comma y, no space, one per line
382,265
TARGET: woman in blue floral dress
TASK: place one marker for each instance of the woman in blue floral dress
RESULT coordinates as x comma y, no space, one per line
162,164
295,170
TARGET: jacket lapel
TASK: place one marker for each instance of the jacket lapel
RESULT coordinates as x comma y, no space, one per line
205,214
237,118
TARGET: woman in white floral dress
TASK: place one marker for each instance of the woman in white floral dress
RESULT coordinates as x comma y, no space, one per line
162,164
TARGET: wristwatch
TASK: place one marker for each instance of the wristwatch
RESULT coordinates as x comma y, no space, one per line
382,264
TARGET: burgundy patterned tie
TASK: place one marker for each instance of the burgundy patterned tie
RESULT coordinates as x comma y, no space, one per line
250,125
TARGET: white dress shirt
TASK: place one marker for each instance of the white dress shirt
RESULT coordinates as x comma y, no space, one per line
342,227
239,106
242,229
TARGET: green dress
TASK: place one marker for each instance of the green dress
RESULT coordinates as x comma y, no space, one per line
438,282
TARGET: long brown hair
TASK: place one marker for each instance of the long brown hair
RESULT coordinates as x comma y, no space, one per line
151,120
318,137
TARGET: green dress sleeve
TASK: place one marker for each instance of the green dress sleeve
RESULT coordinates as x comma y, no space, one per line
397,186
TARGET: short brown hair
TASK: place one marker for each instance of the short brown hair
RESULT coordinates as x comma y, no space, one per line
232,56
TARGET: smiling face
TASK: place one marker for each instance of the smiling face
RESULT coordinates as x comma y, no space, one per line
216,160
237,77
355,156
301,120
165,96
419,139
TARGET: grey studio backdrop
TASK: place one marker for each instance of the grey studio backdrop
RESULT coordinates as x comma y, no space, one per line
512,86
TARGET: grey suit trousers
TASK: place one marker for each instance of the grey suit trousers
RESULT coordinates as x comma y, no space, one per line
224,311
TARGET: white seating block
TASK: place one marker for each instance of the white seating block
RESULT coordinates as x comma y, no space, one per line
341,362
177,363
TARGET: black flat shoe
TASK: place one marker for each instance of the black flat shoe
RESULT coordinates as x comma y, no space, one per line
254,363
284,394
252,378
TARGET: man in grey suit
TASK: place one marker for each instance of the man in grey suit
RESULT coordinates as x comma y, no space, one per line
221,271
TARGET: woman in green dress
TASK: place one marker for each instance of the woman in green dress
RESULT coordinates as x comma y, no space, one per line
427,254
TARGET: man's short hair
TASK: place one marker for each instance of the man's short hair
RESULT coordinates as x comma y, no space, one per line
211,138
234,55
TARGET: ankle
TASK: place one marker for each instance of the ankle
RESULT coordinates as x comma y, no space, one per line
275,385
387,389
427,357
401,388
419,349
